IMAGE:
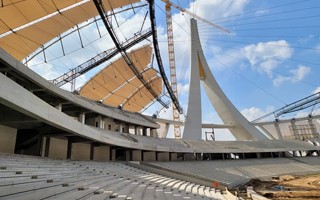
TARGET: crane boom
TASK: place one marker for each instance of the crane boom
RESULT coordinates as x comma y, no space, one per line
194,15
173,78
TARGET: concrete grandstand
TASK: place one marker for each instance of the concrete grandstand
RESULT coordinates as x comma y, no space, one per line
92,145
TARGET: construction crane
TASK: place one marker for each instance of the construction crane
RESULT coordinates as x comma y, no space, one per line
171,55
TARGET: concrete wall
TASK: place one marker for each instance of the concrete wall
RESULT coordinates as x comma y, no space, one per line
149,156
80,151
109,121
58,148
174,156
163,156
101,153
7,139
136,155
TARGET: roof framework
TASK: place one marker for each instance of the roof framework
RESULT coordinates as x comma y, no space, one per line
116,85
36,22
27,25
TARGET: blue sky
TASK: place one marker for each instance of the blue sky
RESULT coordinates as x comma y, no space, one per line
271,57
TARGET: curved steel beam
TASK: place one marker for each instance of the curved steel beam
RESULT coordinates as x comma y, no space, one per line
106,22
158,57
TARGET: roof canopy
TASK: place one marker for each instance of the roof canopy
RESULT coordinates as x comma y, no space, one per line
26,25
117,85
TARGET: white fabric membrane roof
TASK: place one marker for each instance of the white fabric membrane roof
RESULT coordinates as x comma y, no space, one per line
117,85
25,25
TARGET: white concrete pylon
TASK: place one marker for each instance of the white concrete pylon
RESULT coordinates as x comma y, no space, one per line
241,127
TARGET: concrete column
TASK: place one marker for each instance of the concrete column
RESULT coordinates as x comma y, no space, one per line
276,126
126,128
47,147
113,154
100,122
136,155
173,156
101,153
137,130
295,133
163,156
153,132
58,148
144,131
258,155
128,155
189,156
80,151
149,156
120,128
166,130
69,149
59,107
91,151
8,137
82,118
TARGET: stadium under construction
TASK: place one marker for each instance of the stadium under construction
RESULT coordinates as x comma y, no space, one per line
93,143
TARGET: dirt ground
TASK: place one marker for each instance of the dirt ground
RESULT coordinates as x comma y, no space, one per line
289,187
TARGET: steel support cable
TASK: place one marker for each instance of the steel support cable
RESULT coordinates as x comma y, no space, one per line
126,58
251,82
271,45
272,28
269,21
158,57
273,71
220,20
259,53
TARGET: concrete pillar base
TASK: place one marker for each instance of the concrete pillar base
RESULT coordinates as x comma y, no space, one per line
136,155
173,156
163,156
101,153
149,156
189,156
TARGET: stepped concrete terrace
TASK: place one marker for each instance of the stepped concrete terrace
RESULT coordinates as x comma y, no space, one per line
29,177
232,173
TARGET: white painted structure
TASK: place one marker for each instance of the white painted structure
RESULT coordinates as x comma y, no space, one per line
241,127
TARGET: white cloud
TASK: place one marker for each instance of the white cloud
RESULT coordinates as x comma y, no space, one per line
265,57
254,113
262,12
227,58
45,70
183,89
318,48
181,29
222,8
316,90
298,74
306,39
